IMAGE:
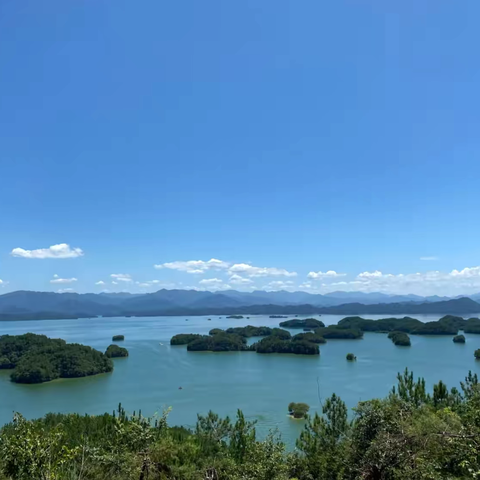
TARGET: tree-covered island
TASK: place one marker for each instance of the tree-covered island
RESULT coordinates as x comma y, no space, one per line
38,359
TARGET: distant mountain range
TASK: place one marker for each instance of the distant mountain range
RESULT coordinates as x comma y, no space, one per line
22,305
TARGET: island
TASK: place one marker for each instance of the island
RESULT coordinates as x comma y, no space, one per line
235,317
278,316
184,338
477,354
309,337
351,357
334,332
472,325
114,351
221,342
298,410
118,338
276,340
251,331
302,323
459,339
37,359
447,325
399,338
273,344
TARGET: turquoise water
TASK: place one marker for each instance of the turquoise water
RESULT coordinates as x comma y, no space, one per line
261,385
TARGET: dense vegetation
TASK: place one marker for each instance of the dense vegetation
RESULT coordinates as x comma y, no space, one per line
333,332
411,434
184,338
298,410
118,338
405,324
114,351
472,325
400,338
302,323
221,342
274,344
309,337
459,339
351,357
447,325
250,331
37,359
436,328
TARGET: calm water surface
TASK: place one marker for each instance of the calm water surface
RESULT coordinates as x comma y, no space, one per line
260,385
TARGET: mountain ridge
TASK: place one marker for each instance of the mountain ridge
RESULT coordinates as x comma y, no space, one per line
22,304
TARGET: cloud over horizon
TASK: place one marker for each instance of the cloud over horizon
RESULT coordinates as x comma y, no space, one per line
62,250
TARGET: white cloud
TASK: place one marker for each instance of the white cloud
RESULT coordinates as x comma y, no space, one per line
238,280
2,282
279,285
62,250
375,274
195,266
66,290
329,274
121,277
156,284
251,271
114,283
214,284
63,280
428,259
100,282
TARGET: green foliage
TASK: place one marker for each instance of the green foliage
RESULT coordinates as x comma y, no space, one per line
298,410
118,338
409,435
472,325
436,328
459,339
309,337
351,357
114,351
216,331
184,338
405,324
274,344
37,359
251,331
334,332
400,339
302,323
222,342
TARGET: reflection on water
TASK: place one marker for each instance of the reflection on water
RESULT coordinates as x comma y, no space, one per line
261,385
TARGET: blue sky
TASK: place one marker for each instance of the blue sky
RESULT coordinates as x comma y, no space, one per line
294,136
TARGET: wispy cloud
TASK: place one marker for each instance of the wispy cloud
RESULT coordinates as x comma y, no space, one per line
100,282
214,284
195,266
66,290
428,259
57,279
121,277
328,274
62,250
252,271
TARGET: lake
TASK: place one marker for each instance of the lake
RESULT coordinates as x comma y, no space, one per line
260,385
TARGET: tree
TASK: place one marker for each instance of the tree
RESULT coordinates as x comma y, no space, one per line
298,410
